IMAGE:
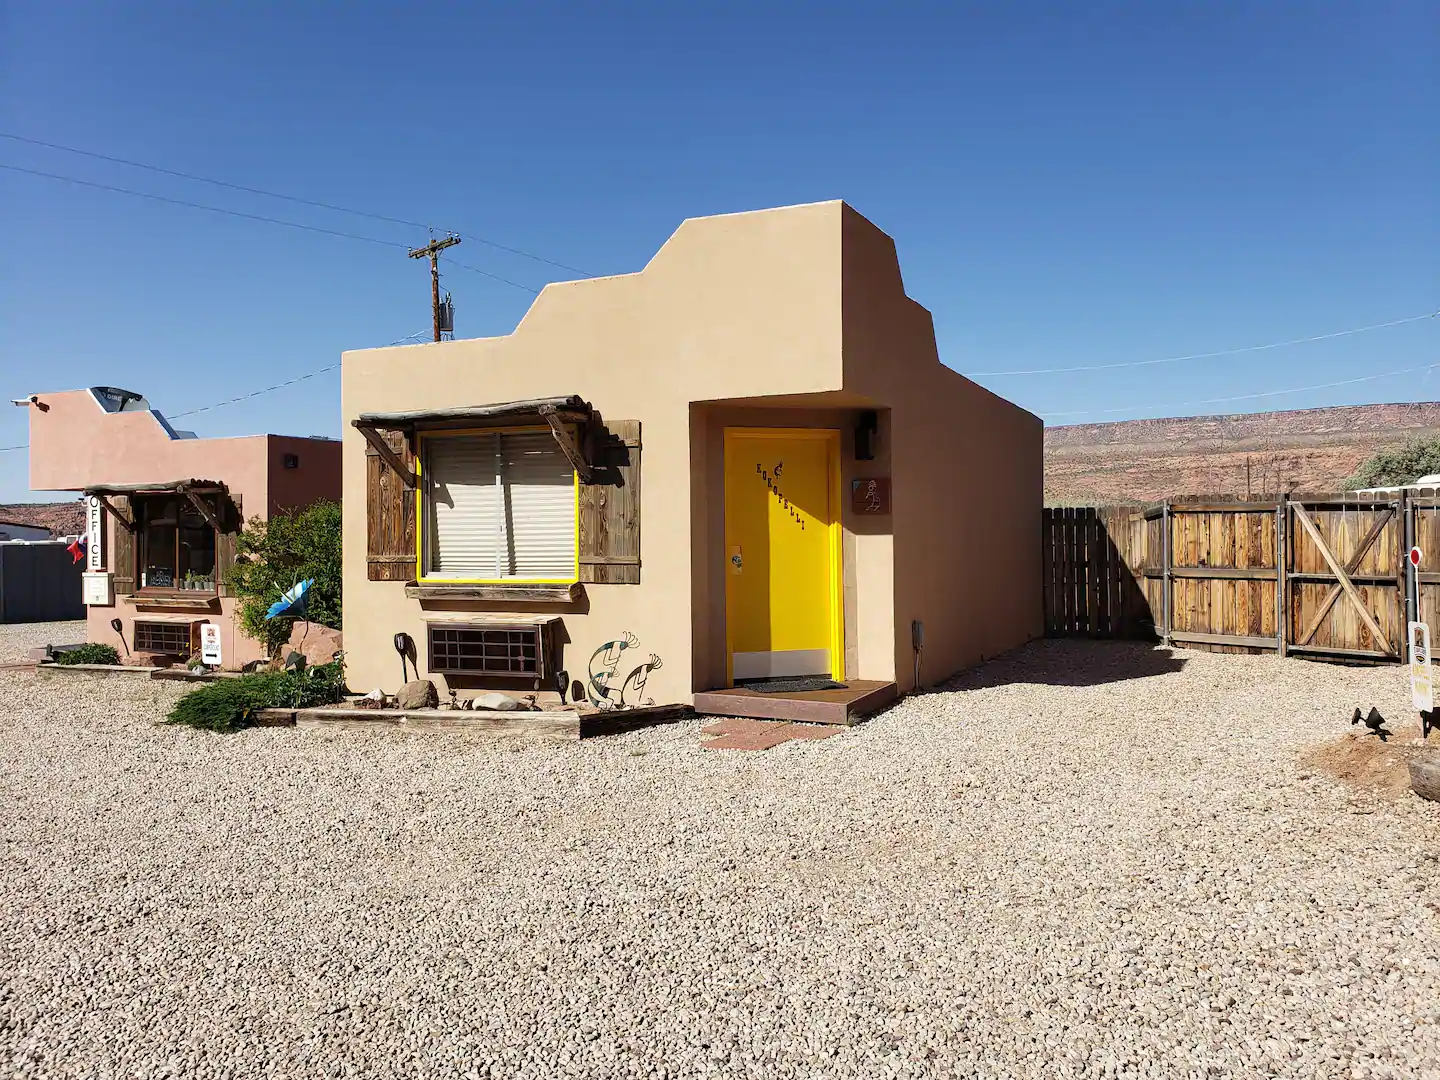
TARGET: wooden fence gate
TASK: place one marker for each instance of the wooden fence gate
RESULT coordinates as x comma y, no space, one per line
1321,575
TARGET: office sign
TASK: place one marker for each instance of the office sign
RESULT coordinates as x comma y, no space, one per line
94,535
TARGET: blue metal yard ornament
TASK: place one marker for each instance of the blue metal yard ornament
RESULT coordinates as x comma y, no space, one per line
295,601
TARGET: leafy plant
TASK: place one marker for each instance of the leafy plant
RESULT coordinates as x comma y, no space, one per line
271,556
1403,465
89,653
227,705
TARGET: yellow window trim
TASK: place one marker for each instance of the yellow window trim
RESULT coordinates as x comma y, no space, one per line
420,522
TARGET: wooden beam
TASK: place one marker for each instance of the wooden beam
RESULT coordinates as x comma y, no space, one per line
1222,508
1224,573
1356,654
1185,637
126,523
1345,583
518,592
1356,558
567,443
205,511
1322,577
376,440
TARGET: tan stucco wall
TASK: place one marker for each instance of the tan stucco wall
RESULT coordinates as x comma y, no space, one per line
738,319
968,483
75,444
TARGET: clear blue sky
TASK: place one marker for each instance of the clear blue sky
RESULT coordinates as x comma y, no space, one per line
1068,184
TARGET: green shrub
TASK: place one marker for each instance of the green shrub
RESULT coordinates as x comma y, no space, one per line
227,705
271,556
89,653
1403,465
224,705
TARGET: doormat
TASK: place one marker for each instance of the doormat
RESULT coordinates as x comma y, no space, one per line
795,686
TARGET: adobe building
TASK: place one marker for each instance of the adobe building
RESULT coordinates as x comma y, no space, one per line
741,469
163,509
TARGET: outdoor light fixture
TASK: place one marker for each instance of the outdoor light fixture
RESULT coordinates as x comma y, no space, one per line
403,646
865,428
119,628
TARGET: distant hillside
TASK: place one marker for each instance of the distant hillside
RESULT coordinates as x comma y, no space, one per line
1143,460
62,519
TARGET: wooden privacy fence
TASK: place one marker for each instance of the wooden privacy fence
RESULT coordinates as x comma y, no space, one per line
1321,575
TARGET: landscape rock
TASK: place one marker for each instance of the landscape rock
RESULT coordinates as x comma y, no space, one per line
495,702
417,694
318,644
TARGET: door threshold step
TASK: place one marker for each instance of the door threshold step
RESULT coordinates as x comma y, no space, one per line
859,699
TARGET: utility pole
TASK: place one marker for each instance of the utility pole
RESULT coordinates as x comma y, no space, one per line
433,250
1247,477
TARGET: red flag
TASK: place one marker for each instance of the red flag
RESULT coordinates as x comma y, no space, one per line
77,548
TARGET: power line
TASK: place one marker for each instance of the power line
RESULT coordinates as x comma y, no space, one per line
1247,397
256,393
279,195
1207,355
201,206
251,217
496,277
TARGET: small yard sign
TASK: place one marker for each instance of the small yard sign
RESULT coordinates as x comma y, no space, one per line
1421,692
1416,555
210,644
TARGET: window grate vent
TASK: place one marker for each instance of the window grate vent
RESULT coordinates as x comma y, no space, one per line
487,650
163,637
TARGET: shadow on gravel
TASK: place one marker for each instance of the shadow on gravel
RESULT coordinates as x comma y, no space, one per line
1070,662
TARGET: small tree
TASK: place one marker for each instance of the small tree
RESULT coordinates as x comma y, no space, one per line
1403,465
271,556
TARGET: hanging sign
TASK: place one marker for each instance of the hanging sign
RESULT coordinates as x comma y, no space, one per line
94,535
1421,691
210,644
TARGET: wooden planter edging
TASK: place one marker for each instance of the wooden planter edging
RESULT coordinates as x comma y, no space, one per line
560,726
164,674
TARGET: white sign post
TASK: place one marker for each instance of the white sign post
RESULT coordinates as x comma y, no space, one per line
1421,689
210,644
94,535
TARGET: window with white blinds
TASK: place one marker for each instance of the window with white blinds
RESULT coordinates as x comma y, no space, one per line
499,506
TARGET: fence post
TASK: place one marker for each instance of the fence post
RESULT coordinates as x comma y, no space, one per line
1282,608
1165,568
1412,573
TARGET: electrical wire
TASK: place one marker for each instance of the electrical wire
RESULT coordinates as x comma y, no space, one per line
279,195
256,393
1246,397
253,217
202,206
1207,355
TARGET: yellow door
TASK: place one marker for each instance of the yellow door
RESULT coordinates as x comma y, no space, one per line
782,550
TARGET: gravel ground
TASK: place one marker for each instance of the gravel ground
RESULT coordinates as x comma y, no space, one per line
17,639
1083,860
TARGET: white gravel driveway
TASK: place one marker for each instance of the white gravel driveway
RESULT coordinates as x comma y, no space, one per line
1022,878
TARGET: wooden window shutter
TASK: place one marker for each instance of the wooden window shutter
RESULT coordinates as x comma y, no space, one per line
610,508
231,522
122,555
389,514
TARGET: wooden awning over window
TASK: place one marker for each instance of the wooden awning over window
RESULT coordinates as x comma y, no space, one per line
193,490
556,413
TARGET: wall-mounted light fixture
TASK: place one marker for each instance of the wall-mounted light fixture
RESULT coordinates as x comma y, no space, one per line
866,426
